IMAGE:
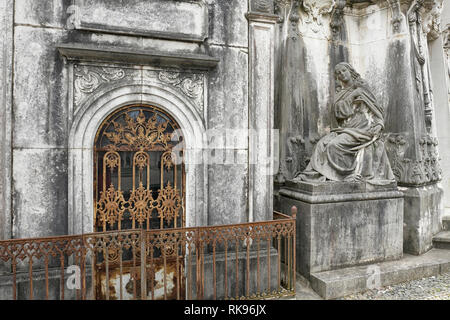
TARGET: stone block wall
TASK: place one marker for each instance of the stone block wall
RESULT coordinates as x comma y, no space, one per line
39,107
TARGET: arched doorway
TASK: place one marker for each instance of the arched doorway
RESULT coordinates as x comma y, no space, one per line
139,183
138,172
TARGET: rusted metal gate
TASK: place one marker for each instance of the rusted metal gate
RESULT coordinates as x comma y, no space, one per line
139,183
140,248
241,261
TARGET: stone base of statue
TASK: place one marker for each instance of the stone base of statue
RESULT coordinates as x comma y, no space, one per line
422,217
342,224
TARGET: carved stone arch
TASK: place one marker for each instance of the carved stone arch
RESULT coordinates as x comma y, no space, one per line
85,124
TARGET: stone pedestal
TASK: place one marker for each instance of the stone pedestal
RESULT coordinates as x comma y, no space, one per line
422,217
341,224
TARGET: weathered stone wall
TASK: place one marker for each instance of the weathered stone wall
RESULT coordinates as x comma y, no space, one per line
228,109
343,224
375,38
42,111
39,123
440,69
6,30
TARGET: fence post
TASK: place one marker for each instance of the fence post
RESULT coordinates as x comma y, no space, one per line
143,265
294,270
198,264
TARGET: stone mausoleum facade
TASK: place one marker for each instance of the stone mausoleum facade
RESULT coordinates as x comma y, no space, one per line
259,93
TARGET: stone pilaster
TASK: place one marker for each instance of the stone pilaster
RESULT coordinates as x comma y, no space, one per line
6,73
262,25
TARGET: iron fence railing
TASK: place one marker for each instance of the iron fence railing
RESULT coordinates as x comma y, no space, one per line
239,261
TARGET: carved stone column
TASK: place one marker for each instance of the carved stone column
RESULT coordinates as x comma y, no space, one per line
411,142
290,103
262,23
296,94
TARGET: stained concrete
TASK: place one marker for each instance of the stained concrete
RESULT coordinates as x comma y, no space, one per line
40,89
43,111
43,14
342,224
40,198
40,133
442,240
422,217
161,19
35,118
446,223
342,282
6,85
221,177
228,92
227,23
228,110
54,286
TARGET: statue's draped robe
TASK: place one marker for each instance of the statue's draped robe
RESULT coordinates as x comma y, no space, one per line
350,152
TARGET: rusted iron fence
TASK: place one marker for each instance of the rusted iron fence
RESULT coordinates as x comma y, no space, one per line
239,261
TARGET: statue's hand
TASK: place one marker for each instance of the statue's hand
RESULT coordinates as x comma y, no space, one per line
376,130
356,94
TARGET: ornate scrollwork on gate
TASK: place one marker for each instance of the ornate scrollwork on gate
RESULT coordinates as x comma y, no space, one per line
141,205
139,133
169,204
134,158
111,206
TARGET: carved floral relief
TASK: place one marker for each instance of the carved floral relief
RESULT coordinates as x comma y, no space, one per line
315,9
432,18
414,172
88,79
190,84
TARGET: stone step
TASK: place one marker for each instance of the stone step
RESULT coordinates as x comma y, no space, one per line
446,223
342,282
442,240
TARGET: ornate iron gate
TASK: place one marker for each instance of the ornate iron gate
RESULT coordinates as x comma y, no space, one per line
254,260
139,183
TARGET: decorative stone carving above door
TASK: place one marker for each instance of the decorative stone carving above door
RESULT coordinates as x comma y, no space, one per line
87,79
90,80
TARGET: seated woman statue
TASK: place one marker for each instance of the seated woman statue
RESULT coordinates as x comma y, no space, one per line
353,151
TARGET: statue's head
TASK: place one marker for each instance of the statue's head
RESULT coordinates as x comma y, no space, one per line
346,75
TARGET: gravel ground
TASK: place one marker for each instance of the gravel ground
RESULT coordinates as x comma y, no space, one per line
432,288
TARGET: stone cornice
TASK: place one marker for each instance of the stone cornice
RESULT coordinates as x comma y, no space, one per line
84,52
262,17
429,10
332,198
